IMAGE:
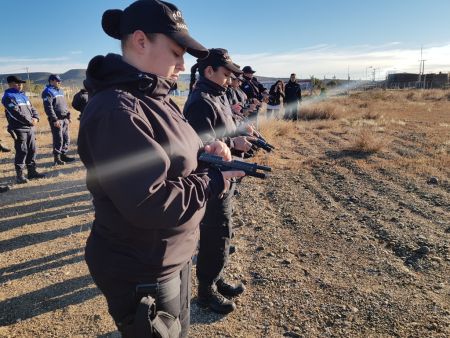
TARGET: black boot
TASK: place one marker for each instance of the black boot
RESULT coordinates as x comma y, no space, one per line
32,173
20,179
58,160
4,188
231,250
3,149
208,296
229,290
67,159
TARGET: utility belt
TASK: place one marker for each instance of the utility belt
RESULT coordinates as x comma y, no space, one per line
147,322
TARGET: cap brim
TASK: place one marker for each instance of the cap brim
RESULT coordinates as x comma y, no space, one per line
21,81
233,68
192,46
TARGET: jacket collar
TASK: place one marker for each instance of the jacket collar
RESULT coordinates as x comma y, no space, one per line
209,86
12,90
111,71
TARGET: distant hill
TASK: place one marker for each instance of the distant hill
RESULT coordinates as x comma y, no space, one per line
75,77
72,78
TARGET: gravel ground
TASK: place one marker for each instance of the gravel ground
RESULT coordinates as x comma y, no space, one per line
337,243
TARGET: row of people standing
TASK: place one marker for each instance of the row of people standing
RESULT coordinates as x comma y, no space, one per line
23,118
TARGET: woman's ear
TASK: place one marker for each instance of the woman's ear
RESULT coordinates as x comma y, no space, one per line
139,40
209,72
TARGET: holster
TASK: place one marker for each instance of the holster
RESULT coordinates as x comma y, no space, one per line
146,322
13,134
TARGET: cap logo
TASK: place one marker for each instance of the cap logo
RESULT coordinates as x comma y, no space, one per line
227,57
177,15
178,18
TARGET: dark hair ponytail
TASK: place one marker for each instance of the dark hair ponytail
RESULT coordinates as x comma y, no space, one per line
193,77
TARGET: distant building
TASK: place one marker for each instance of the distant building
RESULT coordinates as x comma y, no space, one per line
412,80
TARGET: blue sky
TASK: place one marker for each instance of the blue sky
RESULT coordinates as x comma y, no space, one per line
276,37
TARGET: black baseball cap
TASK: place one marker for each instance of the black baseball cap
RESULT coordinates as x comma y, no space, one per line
248,69
54,77
220,57
14,79
152,16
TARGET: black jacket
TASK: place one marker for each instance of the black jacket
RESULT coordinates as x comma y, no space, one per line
252,88
209,113
292,91
275,95
80,100
141,159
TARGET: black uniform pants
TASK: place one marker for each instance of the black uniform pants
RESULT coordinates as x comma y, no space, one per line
291,110
173,295
215,236
25,146
61,139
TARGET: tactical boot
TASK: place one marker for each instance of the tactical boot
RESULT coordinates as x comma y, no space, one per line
208,296
4,188
32,173
66,158
58,160
229,290
20,179
231,250
3,149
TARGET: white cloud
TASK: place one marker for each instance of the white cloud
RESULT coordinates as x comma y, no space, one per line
12,59
318,60
322,60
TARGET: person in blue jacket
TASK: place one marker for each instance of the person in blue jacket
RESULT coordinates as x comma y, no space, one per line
58,114
22,118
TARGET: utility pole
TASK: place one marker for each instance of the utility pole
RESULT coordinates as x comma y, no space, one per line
422,69
367,76
348,79
29,82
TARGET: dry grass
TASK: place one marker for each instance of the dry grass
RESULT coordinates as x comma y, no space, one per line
371,115
315,177
318,111
365,141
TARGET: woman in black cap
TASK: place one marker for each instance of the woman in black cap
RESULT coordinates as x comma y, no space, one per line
209,112
141,160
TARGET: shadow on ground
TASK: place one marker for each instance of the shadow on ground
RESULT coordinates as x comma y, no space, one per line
56,296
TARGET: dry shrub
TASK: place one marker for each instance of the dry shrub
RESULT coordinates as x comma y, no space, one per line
371,115
321,126
366,142
318,111
272,128
411,96
433,95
